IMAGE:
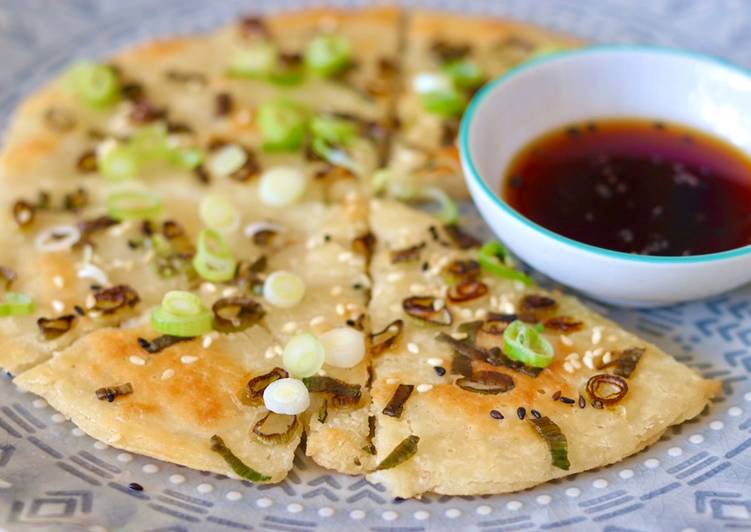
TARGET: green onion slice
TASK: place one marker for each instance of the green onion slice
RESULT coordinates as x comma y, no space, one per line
465,74
523,343
282,124
342,393
119,163
150,143
186,158
444,102
494,259
237,465
256,61
328,54
218,212
182,314
275,429
332,129
213,259
448,212
406,449
16,304
96,85
133,204
555,439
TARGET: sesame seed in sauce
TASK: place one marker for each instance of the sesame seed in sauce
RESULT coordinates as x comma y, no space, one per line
136,360
535,414
521,412
440,371
168,374
413,348
422,388
495,414
188,359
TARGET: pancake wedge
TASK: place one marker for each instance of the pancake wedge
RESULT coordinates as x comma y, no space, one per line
463,423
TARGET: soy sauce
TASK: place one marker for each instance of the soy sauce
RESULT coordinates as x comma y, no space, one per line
635,186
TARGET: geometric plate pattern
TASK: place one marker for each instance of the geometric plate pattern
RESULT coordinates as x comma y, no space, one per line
697,477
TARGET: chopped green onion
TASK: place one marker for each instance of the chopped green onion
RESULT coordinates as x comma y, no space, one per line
186,158
556,440
494,259
16,304
217,212
237,465
282,186
344,347
256,61
276,429
406,449
150,143
286,396
328,54
133,204
523,343
96,85
464,73
334,155
303,355
449,212
445,102
213,259
182,314
282,124
118,163
331,129
227,160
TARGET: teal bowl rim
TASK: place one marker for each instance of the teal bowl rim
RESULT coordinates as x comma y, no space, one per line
548,58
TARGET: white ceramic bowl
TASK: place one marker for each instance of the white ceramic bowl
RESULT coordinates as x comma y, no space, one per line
604,82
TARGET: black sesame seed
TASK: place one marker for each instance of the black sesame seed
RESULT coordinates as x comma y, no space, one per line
536,414
582,402
143,342
495,414
95,287
425,266
350,322
79,310
521,412
567,400
135,486
356,286
516,181
557,395
440,371
327,238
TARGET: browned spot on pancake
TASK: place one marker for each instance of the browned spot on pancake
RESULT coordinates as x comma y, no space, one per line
26,154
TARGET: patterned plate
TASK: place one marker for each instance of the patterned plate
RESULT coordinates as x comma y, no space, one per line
697,476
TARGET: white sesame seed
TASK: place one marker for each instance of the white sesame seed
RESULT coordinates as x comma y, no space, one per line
207,341
480,314
188,359
317,321
208,288
168,374
352,307
340,309
565,340
269,354
438,304
278,349
597,352
345,256
434,362
289,327
57,305
229,291
459,335
413,348
391,380
58,281
568,367
606,358
612,338
336,290
90,301
466,313
589,362
416,288
422,388
136,360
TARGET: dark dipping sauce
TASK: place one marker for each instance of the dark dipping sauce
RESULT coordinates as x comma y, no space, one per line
636,186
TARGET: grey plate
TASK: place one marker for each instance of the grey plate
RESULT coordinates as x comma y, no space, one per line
52,477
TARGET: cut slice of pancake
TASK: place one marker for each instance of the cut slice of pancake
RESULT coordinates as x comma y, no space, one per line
458,428
424,147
